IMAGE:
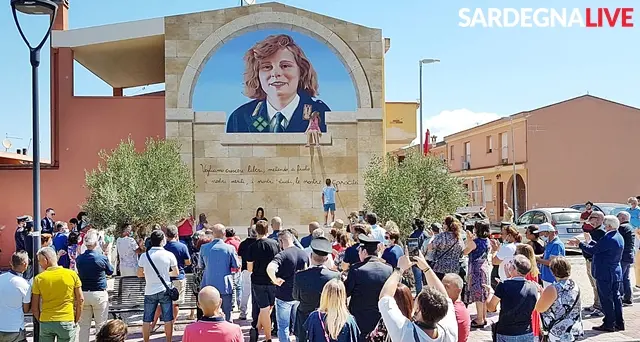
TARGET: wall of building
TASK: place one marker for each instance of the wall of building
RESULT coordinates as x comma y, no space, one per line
82,127
400,124
580,150
237,172
481,155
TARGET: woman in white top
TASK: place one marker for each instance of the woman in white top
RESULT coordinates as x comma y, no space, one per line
507,250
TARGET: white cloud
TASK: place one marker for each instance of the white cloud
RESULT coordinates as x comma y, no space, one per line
452,121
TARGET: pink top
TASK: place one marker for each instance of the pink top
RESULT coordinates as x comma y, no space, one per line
464,321
314,124
207,331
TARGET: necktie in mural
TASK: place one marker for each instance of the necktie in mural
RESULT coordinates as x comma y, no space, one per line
279,123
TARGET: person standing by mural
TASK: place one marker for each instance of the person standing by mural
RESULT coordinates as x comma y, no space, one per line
313,131
282,83
329,201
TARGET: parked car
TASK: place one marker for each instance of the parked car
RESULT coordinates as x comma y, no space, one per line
606,208
565,220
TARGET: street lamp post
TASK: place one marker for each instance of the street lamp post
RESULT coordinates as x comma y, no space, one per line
35,7
515,174
421,62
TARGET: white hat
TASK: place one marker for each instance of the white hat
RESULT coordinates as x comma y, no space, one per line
546,227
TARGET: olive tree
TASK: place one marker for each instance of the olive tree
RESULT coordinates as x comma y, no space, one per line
152,186
418,186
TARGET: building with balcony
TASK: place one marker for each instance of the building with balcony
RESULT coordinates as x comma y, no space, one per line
566,153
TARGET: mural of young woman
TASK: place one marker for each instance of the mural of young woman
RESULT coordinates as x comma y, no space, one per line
283,84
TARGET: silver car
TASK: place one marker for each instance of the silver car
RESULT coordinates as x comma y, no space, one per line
565,220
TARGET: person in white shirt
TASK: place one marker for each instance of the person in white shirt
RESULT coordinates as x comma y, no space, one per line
506,251
15,300
155,292
434,313
377,232
128,250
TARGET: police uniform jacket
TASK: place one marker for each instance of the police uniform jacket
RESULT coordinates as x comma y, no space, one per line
364,283
252,117
307,288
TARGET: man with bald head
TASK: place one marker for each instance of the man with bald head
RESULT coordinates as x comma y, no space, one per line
306,241
596,220
212,326
276,225
219,260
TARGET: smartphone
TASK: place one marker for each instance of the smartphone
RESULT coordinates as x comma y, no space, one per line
413,247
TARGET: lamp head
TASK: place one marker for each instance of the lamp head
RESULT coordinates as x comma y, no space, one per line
35,7
429,61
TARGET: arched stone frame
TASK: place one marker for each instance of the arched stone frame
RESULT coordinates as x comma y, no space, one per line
281,20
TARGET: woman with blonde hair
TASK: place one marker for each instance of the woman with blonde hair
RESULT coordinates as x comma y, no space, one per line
332,322
527,251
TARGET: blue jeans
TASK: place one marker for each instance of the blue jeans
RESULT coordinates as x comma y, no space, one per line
284,315
152,301
417,275
626,282
519,338
227,305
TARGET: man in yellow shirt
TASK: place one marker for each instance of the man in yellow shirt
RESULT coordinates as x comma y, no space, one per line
61,295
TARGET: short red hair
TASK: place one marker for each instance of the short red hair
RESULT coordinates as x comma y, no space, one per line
267,48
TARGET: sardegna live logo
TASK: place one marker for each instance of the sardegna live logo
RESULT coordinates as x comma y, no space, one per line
601,17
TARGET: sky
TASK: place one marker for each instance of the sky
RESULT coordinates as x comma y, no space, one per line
220,84
484,73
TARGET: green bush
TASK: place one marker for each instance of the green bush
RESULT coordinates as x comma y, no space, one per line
142,188
419,186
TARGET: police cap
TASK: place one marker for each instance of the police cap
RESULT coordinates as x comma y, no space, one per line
321,246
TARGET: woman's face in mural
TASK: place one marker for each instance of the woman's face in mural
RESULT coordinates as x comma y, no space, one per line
279,76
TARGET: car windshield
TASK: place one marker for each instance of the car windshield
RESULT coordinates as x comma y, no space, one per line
612,210
566,217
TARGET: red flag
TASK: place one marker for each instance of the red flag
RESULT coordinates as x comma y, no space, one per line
426,142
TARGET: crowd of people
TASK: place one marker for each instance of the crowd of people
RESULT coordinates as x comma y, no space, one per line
354,283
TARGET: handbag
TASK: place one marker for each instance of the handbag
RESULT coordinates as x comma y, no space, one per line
172,292
546,330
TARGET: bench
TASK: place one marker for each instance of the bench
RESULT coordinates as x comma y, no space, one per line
128,295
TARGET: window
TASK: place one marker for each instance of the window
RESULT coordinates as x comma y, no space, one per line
489,143
566,217
505,145
526,218
488,191
539,218
451,153
467,152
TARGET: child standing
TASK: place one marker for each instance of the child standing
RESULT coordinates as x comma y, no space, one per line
313,130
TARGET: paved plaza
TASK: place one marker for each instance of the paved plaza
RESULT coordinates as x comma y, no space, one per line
631,315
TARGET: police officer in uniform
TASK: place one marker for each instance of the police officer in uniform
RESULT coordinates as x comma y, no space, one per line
364,283
308,284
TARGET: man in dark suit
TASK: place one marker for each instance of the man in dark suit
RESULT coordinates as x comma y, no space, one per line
626,231
258,116
308,284
364,283
606,269
48,224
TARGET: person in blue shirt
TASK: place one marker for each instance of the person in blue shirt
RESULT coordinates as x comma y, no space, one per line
219,261
181,252
394,251
332,322
419,233
60,243
553,248
329,201
93,268
634,212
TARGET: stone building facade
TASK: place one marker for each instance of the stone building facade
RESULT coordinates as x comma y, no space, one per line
237,172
